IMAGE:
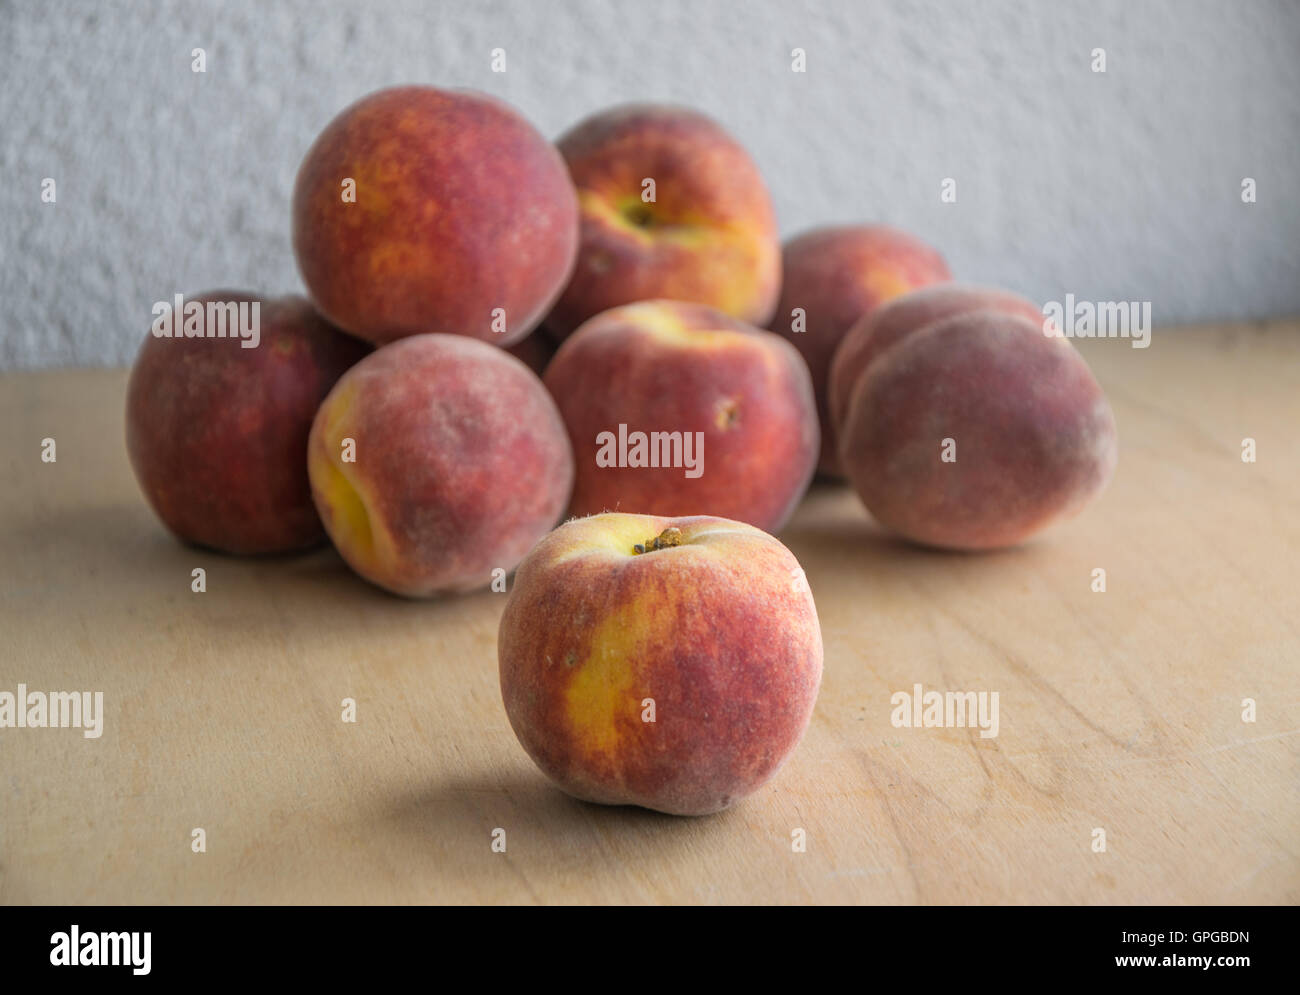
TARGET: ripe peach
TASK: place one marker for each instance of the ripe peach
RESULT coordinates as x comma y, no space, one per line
217,432
708,236
835,276
457,207
678,678
876,331
436,460
977,431
677,409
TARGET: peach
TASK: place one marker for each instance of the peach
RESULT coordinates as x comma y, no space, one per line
977,431
834,276
216,427
878,330
425,210
671,663
708,236
677,409
435,461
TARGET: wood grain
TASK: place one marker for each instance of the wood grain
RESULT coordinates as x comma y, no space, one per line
1120,711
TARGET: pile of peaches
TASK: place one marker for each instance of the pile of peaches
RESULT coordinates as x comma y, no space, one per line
486,311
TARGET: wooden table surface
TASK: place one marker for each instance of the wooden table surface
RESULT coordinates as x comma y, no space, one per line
1120,711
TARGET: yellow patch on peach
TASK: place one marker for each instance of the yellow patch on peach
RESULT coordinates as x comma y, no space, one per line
661,323
612,533
664,325
606,690
886,284
648,224
734,297
602,695
351,520
344,495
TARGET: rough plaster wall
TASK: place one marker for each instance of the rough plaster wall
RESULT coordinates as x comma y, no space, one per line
1117,186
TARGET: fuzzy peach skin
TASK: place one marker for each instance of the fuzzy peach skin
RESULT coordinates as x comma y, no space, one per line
709,237
461,464
720,631
668,366
835,276
876,331
1034,434
461,208
217,433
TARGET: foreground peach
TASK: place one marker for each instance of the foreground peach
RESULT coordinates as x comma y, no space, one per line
834,276
976,432
709,235
216,427
878,330
426,210
437,460
677,409
671,663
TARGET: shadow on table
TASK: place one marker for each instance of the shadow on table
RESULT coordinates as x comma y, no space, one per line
556,847
832,534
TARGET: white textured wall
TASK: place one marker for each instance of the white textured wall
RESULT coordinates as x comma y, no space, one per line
1115,187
